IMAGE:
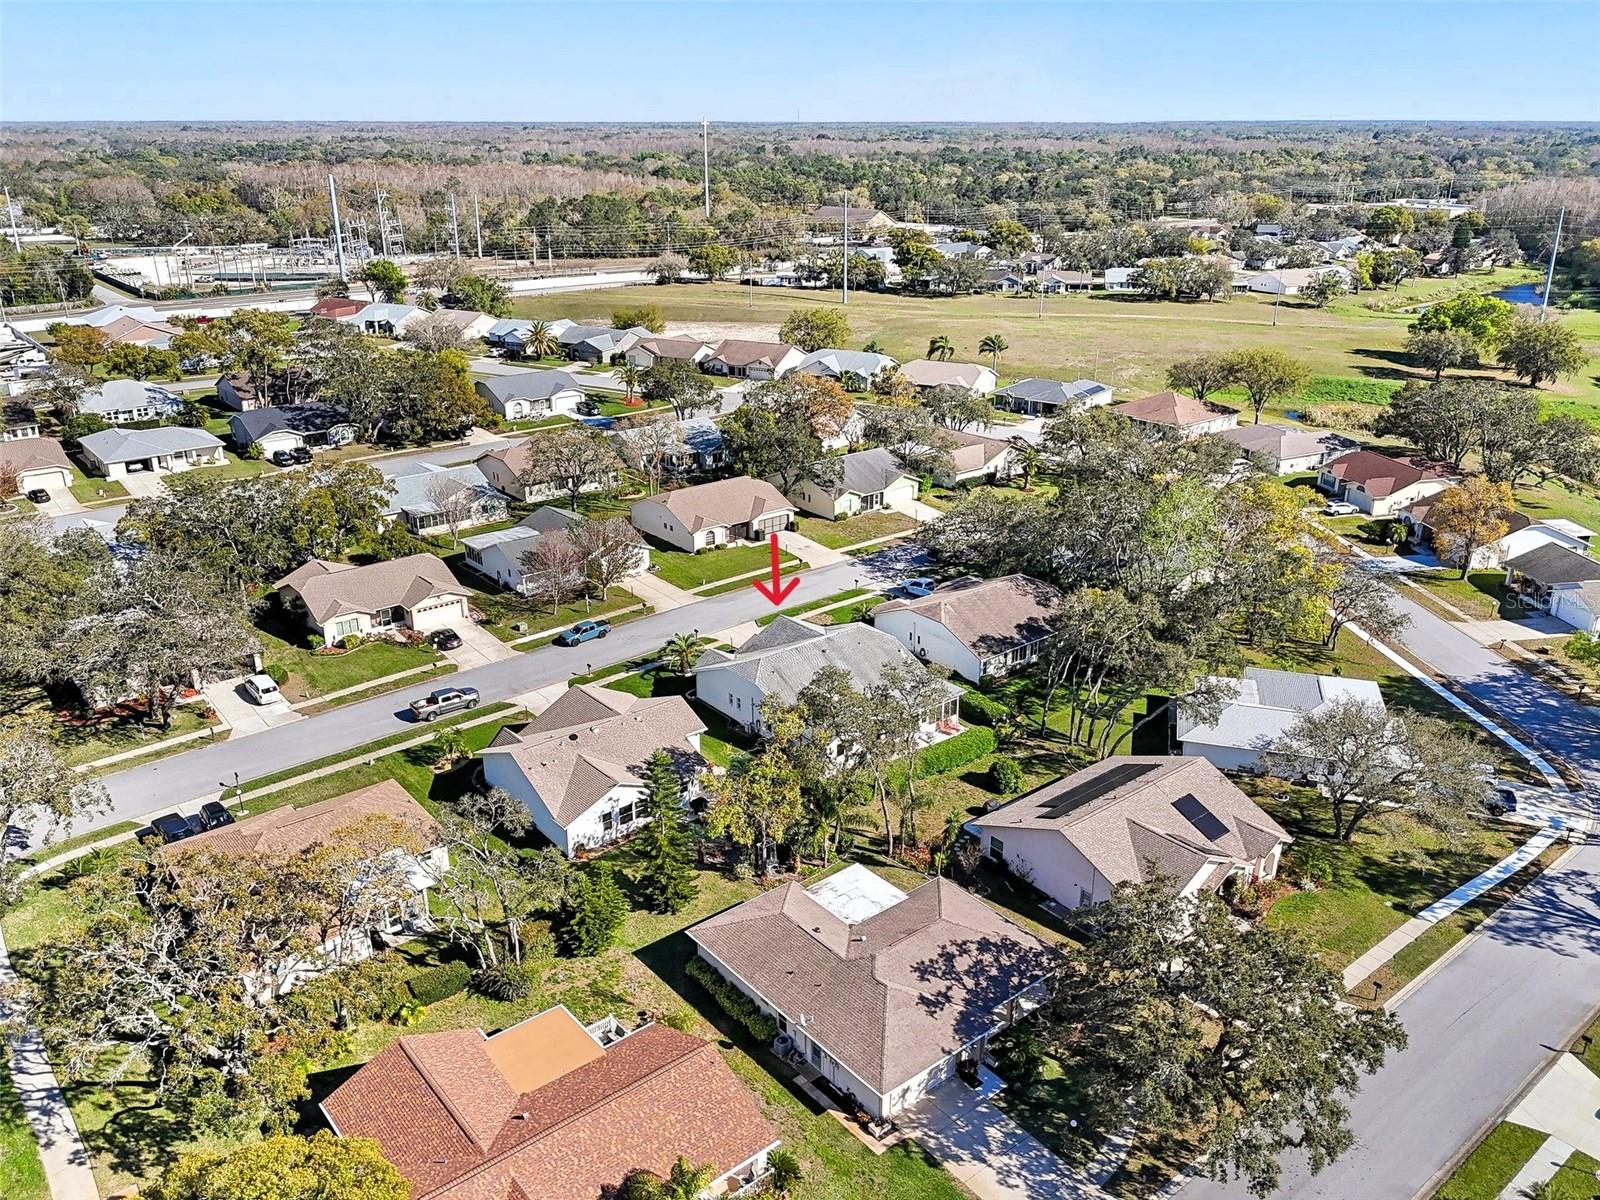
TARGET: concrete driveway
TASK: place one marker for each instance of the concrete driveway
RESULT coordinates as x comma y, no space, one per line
478,647
988,1152
245,716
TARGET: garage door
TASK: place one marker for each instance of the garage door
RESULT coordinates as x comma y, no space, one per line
427,617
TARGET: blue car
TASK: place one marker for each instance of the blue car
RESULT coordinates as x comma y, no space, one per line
583,631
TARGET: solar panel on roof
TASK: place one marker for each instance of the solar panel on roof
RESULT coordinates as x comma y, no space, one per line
1103,784
1193,810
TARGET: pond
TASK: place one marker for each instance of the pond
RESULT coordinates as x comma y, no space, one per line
1521,293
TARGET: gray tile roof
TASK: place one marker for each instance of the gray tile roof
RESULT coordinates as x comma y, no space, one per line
412,489
1053,391
865,472
1267,703
129,445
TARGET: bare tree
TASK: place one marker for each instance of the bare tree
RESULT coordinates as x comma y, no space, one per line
646,444
455,502
435,332
555,568
610,548
38,793
1361,596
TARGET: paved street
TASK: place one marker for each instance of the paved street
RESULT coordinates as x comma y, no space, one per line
157,786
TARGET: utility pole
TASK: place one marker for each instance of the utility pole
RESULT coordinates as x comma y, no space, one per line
705,159
338,234
844,258
1544,303
11,216
455,230
477,221
383,223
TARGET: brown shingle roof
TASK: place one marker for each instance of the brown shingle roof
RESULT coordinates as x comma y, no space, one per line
293,830
29,454
892,995
681,348
1137,817
1171,408
735,501
738,353
334,307
927,373
1378,474
447,1117
987,616
329,589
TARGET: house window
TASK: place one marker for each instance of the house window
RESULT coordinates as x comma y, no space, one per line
607,823
997,849
816,1056
343,629
386,616
625,815
783,1023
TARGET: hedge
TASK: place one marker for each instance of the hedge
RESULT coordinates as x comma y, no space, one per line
441,982
944,757
734,1002
978,709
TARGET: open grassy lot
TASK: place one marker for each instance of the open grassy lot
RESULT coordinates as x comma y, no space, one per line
21,1173
312,674
836,535
690,571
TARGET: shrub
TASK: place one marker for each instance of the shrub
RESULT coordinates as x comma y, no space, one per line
680,1019
503,981
276,672
315,641
786,1171
1005,777
441,982
1018,1055
350,642
733,1002
978,709
410,1013
946,756
252,452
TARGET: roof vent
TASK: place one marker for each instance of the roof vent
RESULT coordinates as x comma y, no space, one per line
572,737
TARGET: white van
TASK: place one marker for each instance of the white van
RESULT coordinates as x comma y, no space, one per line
261,689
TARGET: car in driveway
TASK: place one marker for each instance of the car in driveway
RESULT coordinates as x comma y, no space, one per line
174,827
914,589
38,496
214,814
583,631
1339,508
444,639
262,689
443,702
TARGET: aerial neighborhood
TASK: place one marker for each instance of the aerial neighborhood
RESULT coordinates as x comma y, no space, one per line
657,662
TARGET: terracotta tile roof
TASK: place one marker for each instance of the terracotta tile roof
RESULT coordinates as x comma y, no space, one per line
888,996
1171,408
446,1115
329,589
292,830
1379,475
987,616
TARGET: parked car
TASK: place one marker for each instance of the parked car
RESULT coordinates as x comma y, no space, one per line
38,496
261,689
174,827
282,458
916,588
583,631
214,814
444,639
1339,508
301,454
588,408
442,702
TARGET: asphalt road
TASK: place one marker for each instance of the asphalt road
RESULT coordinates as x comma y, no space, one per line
159,786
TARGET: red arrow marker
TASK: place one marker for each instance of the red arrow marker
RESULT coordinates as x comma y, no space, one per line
776,591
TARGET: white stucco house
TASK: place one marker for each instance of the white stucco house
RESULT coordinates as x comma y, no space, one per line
1378,485
299,426
924,374
336,600
1265,705
1523,533
976,459
751,360
1287,450
118,453
977,628
499,554
529,395
839,365
124,401
1560,581
888,995
580,766
713,514
647,352
864,481
1052,397
1185,415
1128,820
385,319
430,498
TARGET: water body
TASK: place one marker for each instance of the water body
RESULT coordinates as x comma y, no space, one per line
1521,293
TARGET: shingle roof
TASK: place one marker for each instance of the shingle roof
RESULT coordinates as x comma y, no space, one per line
256,423
680,348
738,353
836,362
784,657
1552,564
735,501
891,995
530,385
1267,703
865,472
1138,818
1378,474
331,589
973,451
445,1108
459,318
592,739
926,373
1054,391
1283,441
290,830
336,306
413,491
1171,408
127,445
116,394
987,616
387,313
31,454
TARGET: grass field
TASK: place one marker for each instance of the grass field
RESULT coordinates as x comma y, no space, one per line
1493,1165
690,571
862,528
318,674
21,1173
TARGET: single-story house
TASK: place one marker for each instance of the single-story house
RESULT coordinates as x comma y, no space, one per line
978,628
430,498
388,320
1003,280
551,1109
132,331
865,481
1291,281
751,360
18,420
1560,581
472,325
1051,397
505,466
528,395
1129,820
949,249
713,514
1378,485
1119,279
695,443
118,453
1266,704
498,554
124,401
501,329
1345,247
313,426
285,387
39,463
647,352
781,659
837,364
580,766
514,334
926,373
1053,283
1523,533
293,830
833,215
111,313
1184,414
337,600
1287,450
887,994
336,308
597,343
976,458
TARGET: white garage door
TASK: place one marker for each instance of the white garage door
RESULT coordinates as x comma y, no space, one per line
438,614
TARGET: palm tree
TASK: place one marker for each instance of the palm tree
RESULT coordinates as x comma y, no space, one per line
1027,458
541,343
873,347
685,1182
994,344
629,375
680,652
941,347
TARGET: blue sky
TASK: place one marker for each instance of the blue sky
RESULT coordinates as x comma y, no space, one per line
732,61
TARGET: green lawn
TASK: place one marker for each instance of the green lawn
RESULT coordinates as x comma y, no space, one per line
1482,595
794,610
836,535
312,674
690,571
505,609
1493,1165
733,585
1576,1179
21,1172
117,735
91,489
